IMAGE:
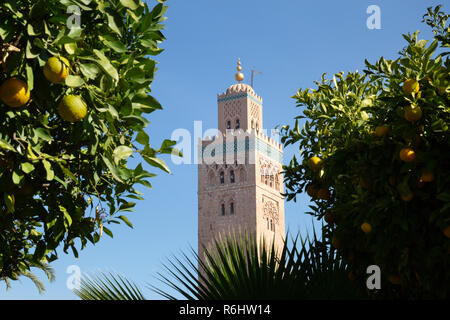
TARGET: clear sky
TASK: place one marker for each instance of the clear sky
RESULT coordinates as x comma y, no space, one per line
293,43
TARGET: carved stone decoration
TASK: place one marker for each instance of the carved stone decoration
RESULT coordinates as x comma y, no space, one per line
270,210
267,167
232,110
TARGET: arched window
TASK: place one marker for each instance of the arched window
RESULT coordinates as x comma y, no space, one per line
271,180
242,175
228,124
232,176
222,177
222,209
211,178
232,208
237,126
277,182
253,125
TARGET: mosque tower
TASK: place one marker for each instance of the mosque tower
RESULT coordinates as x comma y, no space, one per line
239,172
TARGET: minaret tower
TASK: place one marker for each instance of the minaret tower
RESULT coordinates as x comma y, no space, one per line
239,172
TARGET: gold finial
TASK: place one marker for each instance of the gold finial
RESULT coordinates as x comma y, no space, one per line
239,76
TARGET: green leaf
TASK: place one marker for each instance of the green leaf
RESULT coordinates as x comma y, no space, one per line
6,146
127,222
122,152
129,4
74,81
39,251
156,162
89,70
113,22
43,134
17,177
67,216
30,77
27,167
48,168
108,232
143,138
9,201
112,169
106,65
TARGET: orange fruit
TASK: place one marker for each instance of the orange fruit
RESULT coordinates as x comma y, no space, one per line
420,184
407,196
311,190
381,131
427,176
329,218
323,194
395,279
72,108
391,181
407,154
412,113
410,86
14,92
366,227
56,69
336,242
315,163
447,231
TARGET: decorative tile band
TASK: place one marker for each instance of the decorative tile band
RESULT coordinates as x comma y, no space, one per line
239,96
250,144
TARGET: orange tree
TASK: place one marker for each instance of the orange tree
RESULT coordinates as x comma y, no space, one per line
75,79
376,162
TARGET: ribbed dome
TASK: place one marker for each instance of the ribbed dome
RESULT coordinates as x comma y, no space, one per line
240,87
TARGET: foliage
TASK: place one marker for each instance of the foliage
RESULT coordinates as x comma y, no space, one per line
62,182
357,125
45,267
238,268
108,287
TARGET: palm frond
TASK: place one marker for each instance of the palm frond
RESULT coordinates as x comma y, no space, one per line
45,267
237,266
108,287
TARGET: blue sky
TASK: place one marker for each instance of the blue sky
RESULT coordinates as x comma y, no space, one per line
293,43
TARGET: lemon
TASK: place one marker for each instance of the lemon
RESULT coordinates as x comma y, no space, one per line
315,163
311,190
366,227
14,93
337,243
381,131
407,196
323,194
72,108
56,69
411,85
412,113
447,231
427,176
407,154
329,218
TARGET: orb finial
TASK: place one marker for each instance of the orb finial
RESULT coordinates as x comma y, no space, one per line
239,76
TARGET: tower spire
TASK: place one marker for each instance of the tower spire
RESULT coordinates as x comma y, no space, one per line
239,76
